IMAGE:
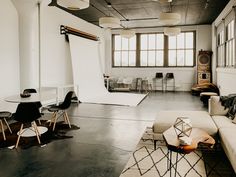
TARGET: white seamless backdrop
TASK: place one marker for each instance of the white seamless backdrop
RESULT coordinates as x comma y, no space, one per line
87,74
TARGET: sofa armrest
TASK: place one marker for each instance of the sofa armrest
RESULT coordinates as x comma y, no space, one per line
215,107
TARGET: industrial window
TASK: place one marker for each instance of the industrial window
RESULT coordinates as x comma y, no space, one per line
154,50
124,51
226,41
230,50
181,49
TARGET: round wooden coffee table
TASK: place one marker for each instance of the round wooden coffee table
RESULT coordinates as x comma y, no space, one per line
173,144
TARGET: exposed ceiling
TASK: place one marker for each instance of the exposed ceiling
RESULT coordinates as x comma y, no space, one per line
145,13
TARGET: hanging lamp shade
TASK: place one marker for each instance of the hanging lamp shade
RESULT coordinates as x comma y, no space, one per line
163,1
172,31
127,33
109,22
168,18
74,4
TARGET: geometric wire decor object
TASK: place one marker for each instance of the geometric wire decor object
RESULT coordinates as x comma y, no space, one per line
169,18
183,126
172,31
74,4
127,33
109,22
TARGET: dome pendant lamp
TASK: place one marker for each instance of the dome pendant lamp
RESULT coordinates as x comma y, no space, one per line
74,4
172,31
168,18
109,22
127,33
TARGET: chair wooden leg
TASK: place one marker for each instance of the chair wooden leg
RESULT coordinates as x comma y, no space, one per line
20,132
53,118
67,119
35,125
55,121
8,125
36,131
39,121
3,132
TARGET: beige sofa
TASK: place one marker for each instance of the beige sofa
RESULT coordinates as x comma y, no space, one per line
214,122
226,129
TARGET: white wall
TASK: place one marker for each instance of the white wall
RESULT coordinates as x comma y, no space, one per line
9,50
185,77
56,68
224,77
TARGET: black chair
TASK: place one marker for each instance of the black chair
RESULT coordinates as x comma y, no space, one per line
159,76
31,90
61,110
170,76
27,113
3,116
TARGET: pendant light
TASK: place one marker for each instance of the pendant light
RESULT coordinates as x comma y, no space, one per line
109,22
169,18
74,4
172,31
127,33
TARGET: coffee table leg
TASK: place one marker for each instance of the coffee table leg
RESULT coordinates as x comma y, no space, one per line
170,165
176,162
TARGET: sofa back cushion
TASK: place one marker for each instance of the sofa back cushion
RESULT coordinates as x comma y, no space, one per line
215,107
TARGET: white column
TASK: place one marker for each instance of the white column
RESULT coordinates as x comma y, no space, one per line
28,42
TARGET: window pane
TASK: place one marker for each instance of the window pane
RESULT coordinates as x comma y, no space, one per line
151,58
159,58
160,41
132,43
172,42
132,58
124,58
117,59
180,57
143,58
125,43
189,58
180,41
189,40
172,58
117,42
151,41
143,42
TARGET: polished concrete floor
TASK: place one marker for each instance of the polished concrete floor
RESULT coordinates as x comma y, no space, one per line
103,144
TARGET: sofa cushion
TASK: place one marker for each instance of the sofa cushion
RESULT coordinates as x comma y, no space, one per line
229,144
223,121
215,107
199,119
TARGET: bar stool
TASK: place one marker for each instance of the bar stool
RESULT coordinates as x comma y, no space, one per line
138,84
169,77
3,116
159,76
147,83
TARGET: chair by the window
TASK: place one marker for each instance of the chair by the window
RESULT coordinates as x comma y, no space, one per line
3,116
159,76
138,84
170,78
27,113
147,84
60,110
